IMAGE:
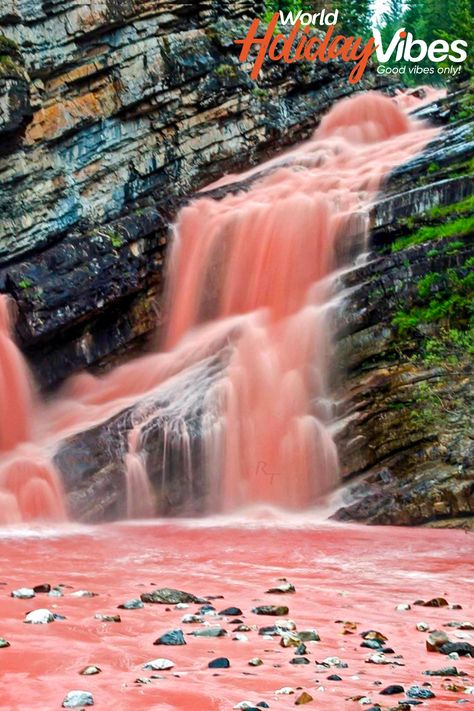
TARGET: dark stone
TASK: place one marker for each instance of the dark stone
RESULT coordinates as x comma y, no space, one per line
272,610
175,638
418,692
219,663
231,612
392,690
464,649
45,588
300,660
334,677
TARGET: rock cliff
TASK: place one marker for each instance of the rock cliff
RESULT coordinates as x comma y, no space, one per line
110,112
407,404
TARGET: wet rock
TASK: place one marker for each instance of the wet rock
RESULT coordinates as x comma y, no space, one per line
303,698
422,627
210,632
4,643
175,638
334,662
231,612
39,617
382,659
75,699
460,625
418,692
374,635
219,663
90,671
108,618
464,649
300,660
309,636
436,602
43,588
272,610
207,610
170,596
436,640
290,639
192,619
301,649
134,604
56,592
23,593
392,690
334,677
282,589
158,665
445,671
372,644
255,662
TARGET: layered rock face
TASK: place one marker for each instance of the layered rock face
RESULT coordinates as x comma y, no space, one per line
110,113
407,404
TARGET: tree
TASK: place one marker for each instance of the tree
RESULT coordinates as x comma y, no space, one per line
355,17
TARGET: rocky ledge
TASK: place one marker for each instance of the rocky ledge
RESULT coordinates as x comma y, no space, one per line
407,405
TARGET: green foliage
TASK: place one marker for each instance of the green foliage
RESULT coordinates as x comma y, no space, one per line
430,407
441,298
355,17
457,228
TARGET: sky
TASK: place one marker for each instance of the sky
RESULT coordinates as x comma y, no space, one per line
380,7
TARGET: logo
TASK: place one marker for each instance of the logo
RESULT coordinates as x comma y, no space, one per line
302,44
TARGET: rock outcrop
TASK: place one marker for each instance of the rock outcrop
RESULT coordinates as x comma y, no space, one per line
110,113
405,430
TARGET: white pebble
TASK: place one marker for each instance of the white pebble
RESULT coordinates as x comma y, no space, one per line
285,690
75,698
23,593
158,665
39,617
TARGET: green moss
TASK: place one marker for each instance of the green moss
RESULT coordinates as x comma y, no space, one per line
25,284
8,46
226,71
433,168
260,93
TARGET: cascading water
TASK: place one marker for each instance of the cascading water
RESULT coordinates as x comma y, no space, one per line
29,485
249,298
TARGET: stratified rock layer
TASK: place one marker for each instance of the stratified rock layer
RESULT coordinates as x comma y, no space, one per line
406,411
